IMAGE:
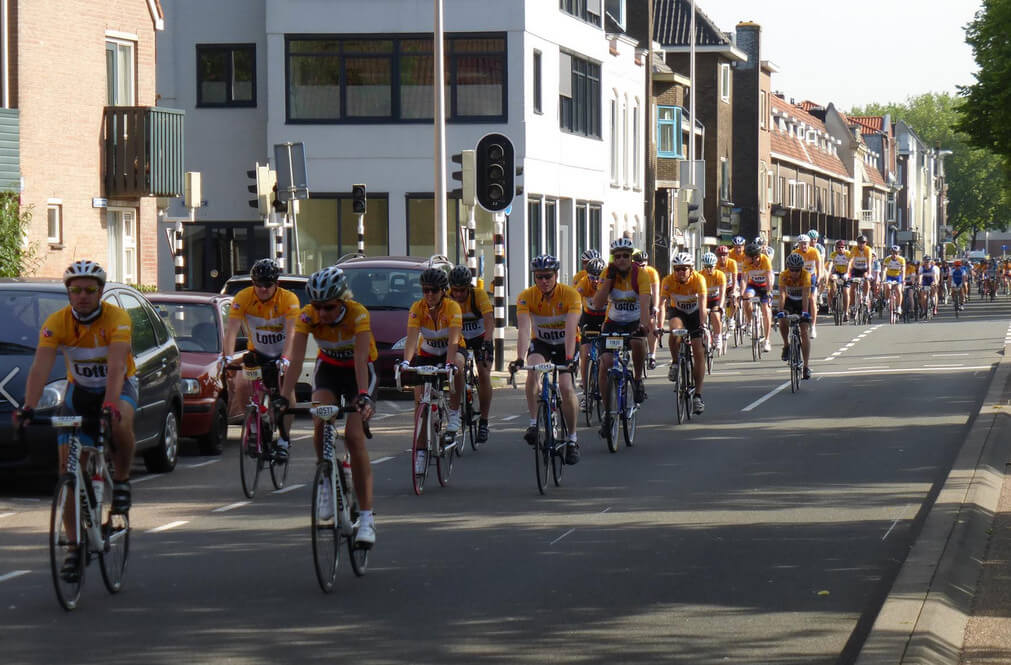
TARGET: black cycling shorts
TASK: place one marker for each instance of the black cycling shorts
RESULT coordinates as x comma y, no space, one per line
554,353
691,321
341,380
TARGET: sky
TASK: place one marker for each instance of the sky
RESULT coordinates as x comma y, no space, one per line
858,52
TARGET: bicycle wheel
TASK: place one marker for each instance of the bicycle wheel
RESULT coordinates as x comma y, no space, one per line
590,402
614,393
116,534
325,535
542,451
419,448
474,414
447,456
468,420
558,451
358,556
63,526
679,405
756,342
629,416
795,363
687,382
249,456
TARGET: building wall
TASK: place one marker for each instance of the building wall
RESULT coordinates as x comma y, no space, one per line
747,149
61,93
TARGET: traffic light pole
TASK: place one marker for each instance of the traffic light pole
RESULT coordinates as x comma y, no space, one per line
440,139
500,309
361,234
471,249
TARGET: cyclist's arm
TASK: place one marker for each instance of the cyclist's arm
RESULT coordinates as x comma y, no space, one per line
663,311
645,318
42,365
411,345
723,295
603,291
454,342
363,346
118,352
523,335
489,325
806,298
231,333
299,341
571,333
289,338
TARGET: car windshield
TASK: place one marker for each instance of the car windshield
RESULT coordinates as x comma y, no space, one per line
384,288
23,313
194,325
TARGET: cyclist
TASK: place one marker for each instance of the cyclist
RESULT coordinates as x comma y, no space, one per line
816,243
95,339
626,291
347,349
641,257
929,276
268,313
759,276
762,242
729,267
894,267
794,296
859,266
434,327
958,280
550,312
716,293
584,258
683,299
837,264
590,320
945,282
812,264
478,328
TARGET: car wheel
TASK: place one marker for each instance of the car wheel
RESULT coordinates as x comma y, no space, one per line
213,443
163,457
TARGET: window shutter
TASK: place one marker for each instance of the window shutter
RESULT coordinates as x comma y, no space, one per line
565,75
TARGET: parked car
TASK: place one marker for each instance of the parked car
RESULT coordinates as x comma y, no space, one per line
24,306
196,320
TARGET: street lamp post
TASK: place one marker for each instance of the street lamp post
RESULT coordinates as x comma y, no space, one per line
440,137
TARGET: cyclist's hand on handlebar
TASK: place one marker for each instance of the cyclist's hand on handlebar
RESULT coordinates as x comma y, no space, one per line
573,365
21,417
283,403
283,364
780,315
366,407
113,411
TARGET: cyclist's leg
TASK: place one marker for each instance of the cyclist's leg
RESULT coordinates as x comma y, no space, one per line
484,390
696,335
361,466
570,405
716,323
532,389
784,329
459,380
638,345
323,396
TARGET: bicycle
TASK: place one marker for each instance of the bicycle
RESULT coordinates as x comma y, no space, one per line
739,327
861,314
591,395
931,305
81,518
552,431
795,353
258,446
430,441
707,346
684,377
328,531
619,384
839,304
956,299
756,329
470,405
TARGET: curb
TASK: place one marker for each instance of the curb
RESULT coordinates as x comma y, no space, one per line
924,617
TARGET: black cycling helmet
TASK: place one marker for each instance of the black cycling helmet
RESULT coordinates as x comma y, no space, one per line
861,238
460,276
594,267
434,277
544,262
265,271
795,262
640,256
753,250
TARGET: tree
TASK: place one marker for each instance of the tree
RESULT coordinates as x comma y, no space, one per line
16,259
977,190
985,111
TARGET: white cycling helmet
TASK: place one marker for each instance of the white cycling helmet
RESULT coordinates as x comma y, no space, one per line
622,244
84,268
683,259
709,260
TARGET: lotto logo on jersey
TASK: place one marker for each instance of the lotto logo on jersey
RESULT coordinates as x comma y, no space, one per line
306,318
236,305
46,332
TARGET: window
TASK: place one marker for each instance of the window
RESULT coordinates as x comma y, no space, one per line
54,214
537,82
724,179
763,108
579,96
582,239
226,75
614,141
374,79
534,226
725,82
588,10
550,228
635,147
119,69
142,337
616,10
129,247
594,224
624,144
668,132
122,245
328,228
421,226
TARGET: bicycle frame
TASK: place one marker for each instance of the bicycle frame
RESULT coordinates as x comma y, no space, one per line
92,509
329,413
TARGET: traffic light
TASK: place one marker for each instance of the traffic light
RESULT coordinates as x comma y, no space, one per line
494,172
694,206
465,175
279,206
358,199
262,182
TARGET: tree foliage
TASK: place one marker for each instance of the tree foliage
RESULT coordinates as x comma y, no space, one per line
16,259
977,190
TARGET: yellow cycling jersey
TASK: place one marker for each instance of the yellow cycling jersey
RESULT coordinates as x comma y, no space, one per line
894,266
265,320
434,326
812,257
737,255
587,288
683,297
85,346
861,257
793,284
910,272
577,277
336,340
757,270
654,276
549,312
715,279
474,308
840,262
623,300
729,269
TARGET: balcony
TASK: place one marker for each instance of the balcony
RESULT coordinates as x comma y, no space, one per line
143,151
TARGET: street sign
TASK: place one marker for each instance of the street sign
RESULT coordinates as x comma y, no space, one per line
99,202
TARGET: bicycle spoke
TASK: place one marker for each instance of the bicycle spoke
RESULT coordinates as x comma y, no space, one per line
63,540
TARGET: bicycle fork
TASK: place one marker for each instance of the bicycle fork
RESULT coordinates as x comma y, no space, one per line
337,487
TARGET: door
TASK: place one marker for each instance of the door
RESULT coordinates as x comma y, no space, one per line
122,258
218,251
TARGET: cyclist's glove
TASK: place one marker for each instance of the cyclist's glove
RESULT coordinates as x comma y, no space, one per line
283,364
23,416
516,365
573,365
805,316
363,401
282,402
113,411
780,315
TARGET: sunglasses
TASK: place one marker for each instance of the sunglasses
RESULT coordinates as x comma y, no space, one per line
321,307
263,285
430,289
76,290
544,276
681,268
622,256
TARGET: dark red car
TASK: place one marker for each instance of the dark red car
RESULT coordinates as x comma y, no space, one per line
197,322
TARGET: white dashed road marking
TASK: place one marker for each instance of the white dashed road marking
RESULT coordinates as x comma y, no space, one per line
289,488
231,506
166,527
13,574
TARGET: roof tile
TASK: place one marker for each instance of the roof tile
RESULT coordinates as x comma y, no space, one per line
800,151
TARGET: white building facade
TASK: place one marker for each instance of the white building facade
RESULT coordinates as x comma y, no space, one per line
352,80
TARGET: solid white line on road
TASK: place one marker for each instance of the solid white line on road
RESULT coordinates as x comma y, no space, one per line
882,357
166,527
903,369
769,395
13,574
941,366
3,515
870,367
134,481
392,405
508,418
300,438
289,488
381,460
947,355
891,527
383,416
200,464
231,506
562,536
605,510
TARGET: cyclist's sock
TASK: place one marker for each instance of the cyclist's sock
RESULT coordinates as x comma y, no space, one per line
282,443
533,422
365,515
572,438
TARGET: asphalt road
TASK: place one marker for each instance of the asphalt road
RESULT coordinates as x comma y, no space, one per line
759,533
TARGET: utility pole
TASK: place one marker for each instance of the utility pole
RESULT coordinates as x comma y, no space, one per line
650,151
440,137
